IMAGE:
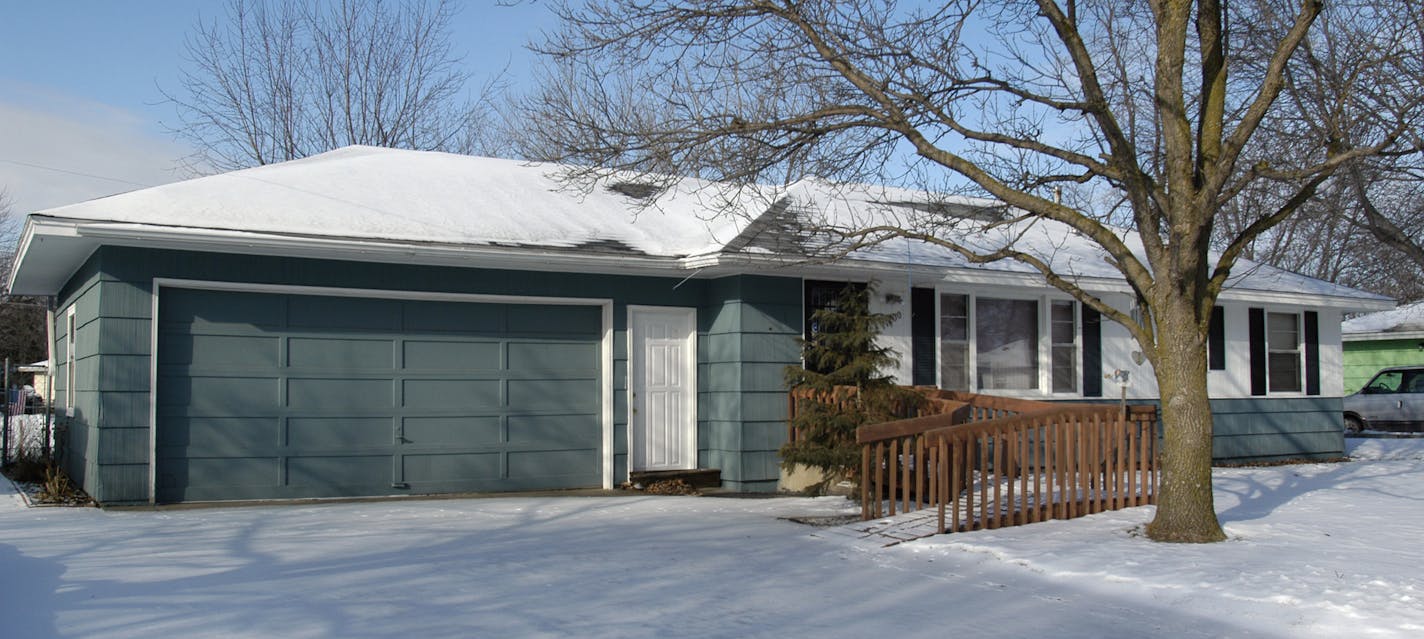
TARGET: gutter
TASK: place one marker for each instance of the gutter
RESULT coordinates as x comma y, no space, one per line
1381,335
927,275
537,258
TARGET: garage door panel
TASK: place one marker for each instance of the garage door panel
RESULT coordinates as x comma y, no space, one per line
451,355
337,471
220,436
537,463
444,467
439,431
559,395
223,309
219,396
292,396
329,434
341,354
559,320
339,395
445,395
444,317
201,351
553,356
206,473
574,431
342,313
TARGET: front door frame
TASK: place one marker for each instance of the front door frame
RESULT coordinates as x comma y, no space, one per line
636,381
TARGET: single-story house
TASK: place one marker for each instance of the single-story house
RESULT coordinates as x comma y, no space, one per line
380,322
1379,340
39,380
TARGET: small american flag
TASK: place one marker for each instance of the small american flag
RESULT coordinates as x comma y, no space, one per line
16,405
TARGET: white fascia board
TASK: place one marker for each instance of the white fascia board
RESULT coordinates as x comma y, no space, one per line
22,248
80,238
920,274
1307,300
464,255
1381,335
928,276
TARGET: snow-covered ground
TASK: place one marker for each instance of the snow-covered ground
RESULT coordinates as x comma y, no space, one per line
1328,550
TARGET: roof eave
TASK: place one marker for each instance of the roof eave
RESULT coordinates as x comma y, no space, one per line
928,275
1381,335
68,243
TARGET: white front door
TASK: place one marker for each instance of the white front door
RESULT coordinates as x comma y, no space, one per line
662,388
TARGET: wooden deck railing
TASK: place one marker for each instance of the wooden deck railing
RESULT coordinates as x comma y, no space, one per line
936,402
991,462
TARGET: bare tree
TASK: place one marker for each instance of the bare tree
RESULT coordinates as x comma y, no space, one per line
9,227
1150,106
1368,216
22,328
276,80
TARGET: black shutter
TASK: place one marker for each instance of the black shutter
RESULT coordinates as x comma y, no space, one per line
1092,322
1216,340
1312,353
924,358
819,294
1257,325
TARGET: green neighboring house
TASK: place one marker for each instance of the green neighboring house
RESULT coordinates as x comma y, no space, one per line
1378,340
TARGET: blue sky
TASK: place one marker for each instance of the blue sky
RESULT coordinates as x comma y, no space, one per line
81,114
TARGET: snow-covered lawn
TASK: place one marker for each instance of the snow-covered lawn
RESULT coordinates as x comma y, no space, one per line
1328,550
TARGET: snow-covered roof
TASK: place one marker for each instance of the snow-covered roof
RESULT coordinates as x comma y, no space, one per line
987,225
396,205
371,193
1405,322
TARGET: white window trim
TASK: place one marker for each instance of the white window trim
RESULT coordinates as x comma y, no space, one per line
1045,340
1046,357
939,336
71,377
1299,315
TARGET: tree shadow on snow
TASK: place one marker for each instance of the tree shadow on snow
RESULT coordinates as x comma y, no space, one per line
1259,494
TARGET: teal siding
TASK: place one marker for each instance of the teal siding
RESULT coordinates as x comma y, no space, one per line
747,330
751,325
1268,429
1263,429
77,424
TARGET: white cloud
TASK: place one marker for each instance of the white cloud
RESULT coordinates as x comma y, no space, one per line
56,150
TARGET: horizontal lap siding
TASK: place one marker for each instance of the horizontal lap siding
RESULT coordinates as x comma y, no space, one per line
742,445
1365,358
271,396
78,421
1262,429
1266,429
751,325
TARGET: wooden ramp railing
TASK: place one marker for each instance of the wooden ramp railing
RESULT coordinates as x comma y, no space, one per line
845,397
991,462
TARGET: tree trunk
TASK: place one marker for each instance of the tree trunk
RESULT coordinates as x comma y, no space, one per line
1185,510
